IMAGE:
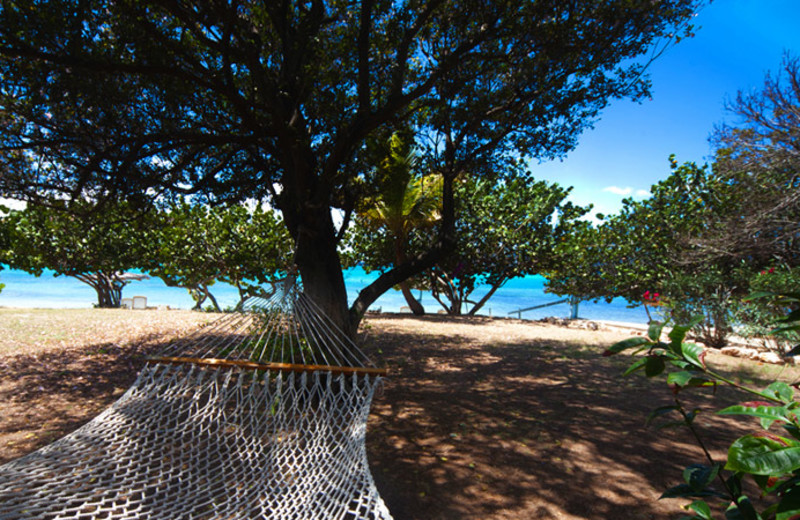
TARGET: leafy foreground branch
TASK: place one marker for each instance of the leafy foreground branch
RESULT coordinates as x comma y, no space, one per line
771,459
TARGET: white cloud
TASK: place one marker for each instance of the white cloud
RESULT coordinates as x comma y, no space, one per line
626,191
619,191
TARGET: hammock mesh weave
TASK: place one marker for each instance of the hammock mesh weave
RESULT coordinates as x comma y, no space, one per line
261,414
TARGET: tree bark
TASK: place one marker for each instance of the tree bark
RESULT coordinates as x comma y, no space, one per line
108,289
478,306
317,259
400,256
413,304
213,300
199,295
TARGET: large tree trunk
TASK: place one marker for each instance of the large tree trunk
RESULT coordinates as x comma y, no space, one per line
413,304
198,296
105,299
305,205
320,269
213,299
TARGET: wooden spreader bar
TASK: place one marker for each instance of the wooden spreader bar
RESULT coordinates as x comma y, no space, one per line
281,367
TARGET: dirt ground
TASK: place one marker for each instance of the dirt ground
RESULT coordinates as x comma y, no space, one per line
479,418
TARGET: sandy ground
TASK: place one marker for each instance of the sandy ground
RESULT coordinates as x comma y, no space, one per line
479,418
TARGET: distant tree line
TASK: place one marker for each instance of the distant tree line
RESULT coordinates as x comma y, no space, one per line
708,236
505,230
186,245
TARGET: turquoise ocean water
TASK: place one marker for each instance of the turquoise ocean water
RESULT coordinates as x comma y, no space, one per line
47,291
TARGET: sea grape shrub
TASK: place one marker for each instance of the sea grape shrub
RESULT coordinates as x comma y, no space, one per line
759,313
713,293
770,456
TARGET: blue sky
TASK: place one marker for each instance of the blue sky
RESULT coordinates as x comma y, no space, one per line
736,43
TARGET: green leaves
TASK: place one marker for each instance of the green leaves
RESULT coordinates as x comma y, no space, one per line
763,410
742,509
694,354
626,344
686,379
701,510
654,330
781,392
504,230
195,246
90,241
764,454
699,476
678,332
772,460
682,355
636,365
698,479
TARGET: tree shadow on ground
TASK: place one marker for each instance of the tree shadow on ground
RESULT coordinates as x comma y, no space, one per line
533,429
463,428
46,395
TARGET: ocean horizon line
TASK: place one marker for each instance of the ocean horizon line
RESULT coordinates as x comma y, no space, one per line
23,290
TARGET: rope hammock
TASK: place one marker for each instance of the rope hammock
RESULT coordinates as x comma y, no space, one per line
261,414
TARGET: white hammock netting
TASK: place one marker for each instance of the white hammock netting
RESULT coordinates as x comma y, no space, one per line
262,414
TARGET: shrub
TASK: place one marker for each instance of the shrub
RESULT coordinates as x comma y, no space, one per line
759,313
770,457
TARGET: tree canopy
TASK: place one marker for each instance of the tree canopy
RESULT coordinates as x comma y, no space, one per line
759,160
406,204
76,239
277,100
632,251
195,246
651,247
707,236
504,230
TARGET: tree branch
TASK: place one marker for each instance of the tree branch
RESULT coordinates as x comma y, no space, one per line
364,88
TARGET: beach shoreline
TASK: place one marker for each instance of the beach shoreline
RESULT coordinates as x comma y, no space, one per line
47,291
